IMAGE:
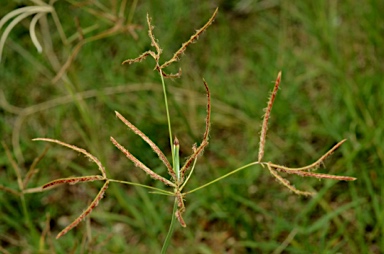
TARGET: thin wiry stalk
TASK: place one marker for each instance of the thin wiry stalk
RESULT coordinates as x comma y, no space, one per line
80,150
154,189
204,142
193,38
314,165
190,173
221,177
167,113
139,164
90,208
154,147
267,114
73,180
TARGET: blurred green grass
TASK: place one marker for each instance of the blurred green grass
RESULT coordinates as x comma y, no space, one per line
331,58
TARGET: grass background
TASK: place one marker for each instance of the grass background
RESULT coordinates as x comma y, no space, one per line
331,57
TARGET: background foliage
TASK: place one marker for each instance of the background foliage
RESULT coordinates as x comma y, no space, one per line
331,58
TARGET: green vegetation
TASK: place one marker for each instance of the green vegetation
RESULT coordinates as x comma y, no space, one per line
331,88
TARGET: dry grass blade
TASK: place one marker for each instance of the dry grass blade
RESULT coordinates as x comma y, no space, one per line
154,147
80,150
286,183
139,164
267,114
314,165
94,203
73,180
193,38
204,143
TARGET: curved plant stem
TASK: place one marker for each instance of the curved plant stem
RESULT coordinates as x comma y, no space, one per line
167,240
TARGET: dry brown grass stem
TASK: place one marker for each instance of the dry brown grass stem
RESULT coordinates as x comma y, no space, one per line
204,142
192,39
80,150
90,208
154,147
267,114
73,180
139,164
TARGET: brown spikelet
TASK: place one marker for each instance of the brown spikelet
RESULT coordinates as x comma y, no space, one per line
267,114
179,217
204,142
171,75
153,40
286,183
314,165
319,176
154,147
80,150
89,209
139,164
192,39
73,180
180,211
140,58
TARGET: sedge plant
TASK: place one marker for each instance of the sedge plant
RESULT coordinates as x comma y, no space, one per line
179,174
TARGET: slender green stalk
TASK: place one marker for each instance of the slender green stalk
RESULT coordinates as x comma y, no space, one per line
32,229
168,238
144,186
222,177
189,175
167,111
